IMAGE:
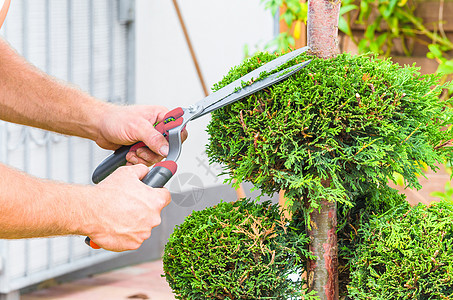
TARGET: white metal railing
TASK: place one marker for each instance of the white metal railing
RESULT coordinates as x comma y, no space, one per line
89,43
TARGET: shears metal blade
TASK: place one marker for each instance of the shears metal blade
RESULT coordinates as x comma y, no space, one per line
247,90
215,99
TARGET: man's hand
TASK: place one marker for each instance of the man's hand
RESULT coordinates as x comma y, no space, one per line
117,214
54,106
124,211
126,125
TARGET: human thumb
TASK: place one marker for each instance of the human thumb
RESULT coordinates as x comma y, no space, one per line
154,140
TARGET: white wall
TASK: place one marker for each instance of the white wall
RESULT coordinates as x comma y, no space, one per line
165,73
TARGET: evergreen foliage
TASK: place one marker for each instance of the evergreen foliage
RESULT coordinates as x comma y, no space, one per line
350,220
375,201
405,254
237,250
351,120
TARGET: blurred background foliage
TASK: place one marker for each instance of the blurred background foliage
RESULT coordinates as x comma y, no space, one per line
387,27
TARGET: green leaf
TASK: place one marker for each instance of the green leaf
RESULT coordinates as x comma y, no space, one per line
303,14
373,272
430,55
374,47
362,47
236,250
352,119
446,67
364,11
343,25
272,5
405,253
389,9
435,50
293,5
393,23
370,31
347,2
381,39
347,8
439,195
399,179
289,17
448,190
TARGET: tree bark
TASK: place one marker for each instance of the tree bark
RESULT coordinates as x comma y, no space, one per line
323,273
322,27
322,36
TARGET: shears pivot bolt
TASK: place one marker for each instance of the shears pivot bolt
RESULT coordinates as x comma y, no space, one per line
192,108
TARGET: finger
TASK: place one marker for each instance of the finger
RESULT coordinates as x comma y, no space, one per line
143,162
137,157
163,195
153,114
132,158
153,110
160,112
154,140
147,155
139,170
184,135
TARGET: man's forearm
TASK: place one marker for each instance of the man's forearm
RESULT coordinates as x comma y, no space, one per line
117,214
31,207
31,97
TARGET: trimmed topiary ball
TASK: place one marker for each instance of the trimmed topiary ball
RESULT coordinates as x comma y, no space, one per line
350,121
405,254
238,250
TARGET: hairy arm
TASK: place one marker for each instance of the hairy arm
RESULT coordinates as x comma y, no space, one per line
31,207
31,97
118,214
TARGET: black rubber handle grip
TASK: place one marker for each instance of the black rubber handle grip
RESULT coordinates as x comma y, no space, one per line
111,163
157,177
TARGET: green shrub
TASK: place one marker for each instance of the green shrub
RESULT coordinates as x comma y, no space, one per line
352,120
238,250
405,254
350,220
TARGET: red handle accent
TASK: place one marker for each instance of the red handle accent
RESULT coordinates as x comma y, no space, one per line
94,245
136,146
175,113
168,164
171,120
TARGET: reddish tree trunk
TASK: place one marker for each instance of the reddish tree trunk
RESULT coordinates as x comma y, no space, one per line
322,36
323,273
322,27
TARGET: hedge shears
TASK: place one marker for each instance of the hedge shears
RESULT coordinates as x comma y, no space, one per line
175,121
